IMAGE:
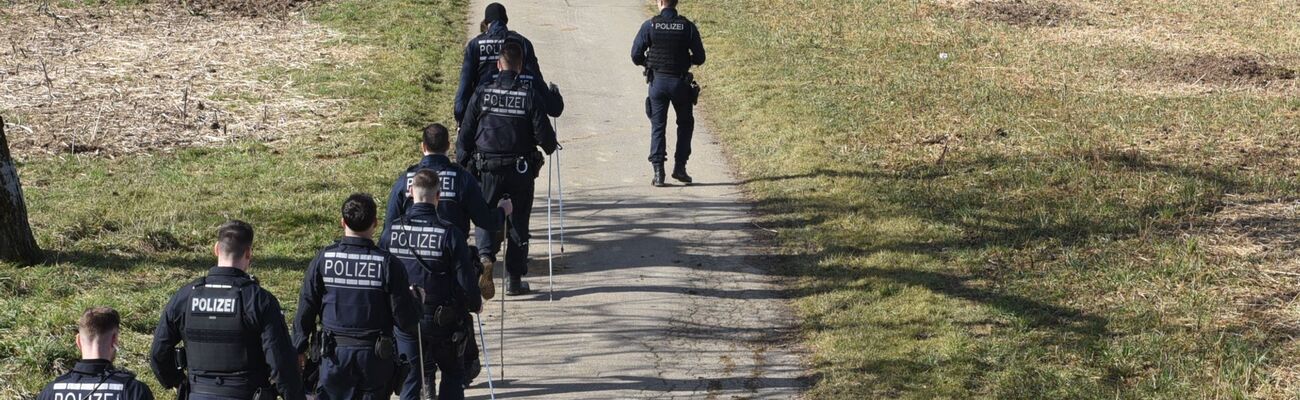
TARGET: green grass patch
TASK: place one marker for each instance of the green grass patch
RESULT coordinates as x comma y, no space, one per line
1014,221
127,232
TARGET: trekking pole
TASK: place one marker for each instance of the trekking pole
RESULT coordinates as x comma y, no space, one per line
487,358
559,185
550,248
505,257
419,340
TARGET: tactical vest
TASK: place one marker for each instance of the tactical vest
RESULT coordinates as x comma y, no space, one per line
447,187
423,248
505,119
356,296
214,330
489,51
669,45
449,200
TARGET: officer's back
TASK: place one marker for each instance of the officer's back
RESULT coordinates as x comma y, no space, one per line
460,198
482,52
236,340
359,292
505,119
436,256
94,377
440,264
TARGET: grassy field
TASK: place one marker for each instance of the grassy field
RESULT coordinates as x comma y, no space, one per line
1083,200
127,232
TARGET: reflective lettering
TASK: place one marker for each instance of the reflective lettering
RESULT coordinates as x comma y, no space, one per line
212,305
352,269
496,100
405,239
87,396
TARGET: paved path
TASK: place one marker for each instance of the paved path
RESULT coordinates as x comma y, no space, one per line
656,295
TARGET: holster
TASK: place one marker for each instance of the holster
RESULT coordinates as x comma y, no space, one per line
311,368
695,90
266,393
449,316
316,347
328,344
183,390
386,348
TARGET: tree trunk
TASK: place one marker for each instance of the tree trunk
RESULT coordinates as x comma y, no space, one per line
16,241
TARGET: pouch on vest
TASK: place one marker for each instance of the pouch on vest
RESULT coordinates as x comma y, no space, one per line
214,326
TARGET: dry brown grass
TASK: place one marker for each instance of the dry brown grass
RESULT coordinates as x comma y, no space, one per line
111,80
1262,237
1025,13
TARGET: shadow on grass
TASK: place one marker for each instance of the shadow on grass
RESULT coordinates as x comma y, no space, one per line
115,262
1052,213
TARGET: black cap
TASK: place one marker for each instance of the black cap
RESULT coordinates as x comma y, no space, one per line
495,12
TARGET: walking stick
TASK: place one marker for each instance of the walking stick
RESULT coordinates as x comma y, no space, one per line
419,341
559,181
505,256
487,358
550,248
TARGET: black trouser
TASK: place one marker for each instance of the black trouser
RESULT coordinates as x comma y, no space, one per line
471,346
440,355
223,388
355,373
668,90
498,182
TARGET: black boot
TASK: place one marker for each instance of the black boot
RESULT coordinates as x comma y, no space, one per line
679,173
516,286
659,175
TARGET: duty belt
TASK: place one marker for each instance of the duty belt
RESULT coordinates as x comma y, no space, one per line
348,341
683,75
521,160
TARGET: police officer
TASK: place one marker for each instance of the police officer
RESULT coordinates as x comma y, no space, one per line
236,341
441,265
460,200
94,377
502,129
667,46
480,65
359,292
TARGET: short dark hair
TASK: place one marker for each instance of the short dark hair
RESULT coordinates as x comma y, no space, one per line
235,237
436,138
426,180
98,321
671,3
359,212
513,55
